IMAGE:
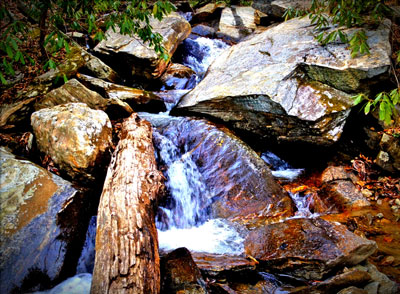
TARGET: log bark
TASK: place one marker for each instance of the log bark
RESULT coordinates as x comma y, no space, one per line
127,259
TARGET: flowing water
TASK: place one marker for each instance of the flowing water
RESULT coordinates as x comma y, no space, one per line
184,219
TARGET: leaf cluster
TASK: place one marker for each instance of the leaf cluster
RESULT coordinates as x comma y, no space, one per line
91,17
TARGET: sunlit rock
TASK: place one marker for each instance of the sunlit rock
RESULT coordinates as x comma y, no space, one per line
237,22
238,184
138,59
180,274
41,225
287,89
76,137
277,8
307,248
207,12
137,99
74,92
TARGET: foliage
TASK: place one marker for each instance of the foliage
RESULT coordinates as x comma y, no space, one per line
55,18
340,14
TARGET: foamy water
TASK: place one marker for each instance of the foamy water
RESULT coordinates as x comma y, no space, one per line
213,236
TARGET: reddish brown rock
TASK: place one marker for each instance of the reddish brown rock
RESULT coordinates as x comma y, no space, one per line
180,274
307,248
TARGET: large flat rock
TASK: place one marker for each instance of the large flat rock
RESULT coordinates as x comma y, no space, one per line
307,248
281,83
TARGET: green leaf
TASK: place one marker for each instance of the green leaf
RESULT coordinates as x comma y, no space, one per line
367,107
9,52
65,78
358,99
2,79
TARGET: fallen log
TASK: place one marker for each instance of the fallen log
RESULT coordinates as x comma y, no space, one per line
127,259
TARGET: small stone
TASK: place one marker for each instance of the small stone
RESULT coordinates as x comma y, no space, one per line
367,193
397,201
379,215
379,202
388,260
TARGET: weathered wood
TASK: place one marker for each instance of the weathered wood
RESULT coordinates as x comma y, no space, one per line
127,259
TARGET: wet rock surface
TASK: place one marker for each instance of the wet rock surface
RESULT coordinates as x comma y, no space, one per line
288,91
180,274
388,157
42,226
76,137
307,248
143,60
239,182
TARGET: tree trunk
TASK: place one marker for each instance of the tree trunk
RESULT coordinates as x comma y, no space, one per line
127,259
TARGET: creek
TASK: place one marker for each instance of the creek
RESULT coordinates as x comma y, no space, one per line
184,218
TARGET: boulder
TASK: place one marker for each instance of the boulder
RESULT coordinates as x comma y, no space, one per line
338,190
307,248
137,99
178,77
180,274
237,22
76,137
74,92
136,58
276,8
287,89
42,227
222,266
204,31
208,12
238,182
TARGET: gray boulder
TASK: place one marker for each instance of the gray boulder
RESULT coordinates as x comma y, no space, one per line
282,84
137,58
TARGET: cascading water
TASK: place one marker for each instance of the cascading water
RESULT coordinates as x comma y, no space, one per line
184,183
201,52
282,170
184,220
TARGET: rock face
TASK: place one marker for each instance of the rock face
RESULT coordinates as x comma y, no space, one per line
238,182
287,90
76,137
237,22
40,222
339,191
74,92
180,274
277,8
139,100
307,248
137,58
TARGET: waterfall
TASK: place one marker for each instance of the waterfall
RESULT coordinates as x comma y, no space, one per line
184,182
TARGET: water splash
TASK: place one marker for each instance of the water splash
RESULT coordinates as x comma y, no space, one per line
280,168
214,236
78,284
302,203
200,52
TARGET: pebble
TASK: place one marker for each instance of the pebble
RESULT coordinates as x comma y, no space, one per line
397,201
379,215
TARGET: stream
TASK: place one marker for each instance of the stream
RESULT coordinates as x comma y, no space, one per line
184,218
